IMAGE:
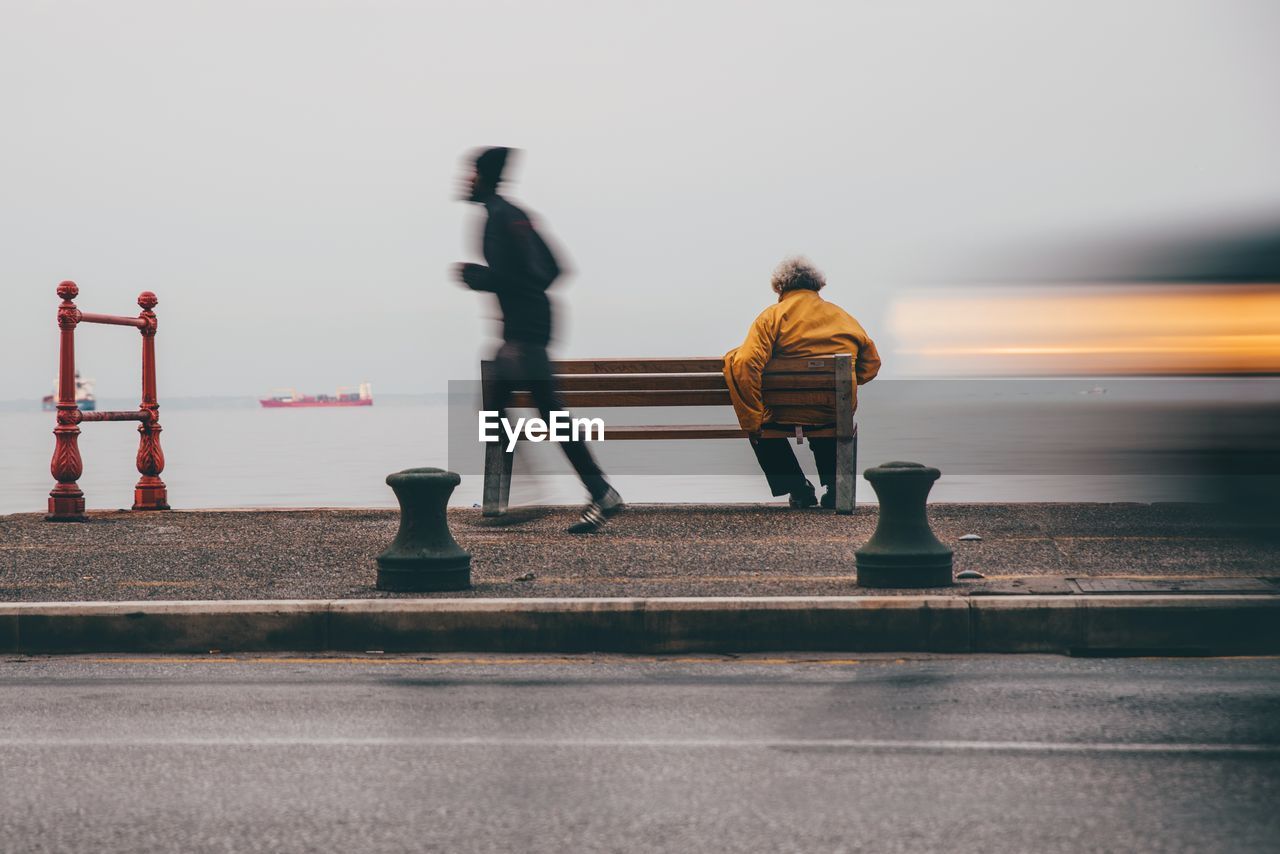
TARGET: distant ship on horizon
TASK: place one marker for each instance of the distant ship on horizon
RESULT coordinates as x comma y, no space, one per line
286,398
84,396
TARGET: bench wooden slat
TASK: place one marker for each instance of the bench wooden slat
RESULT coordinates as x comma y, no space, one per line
703,431
674,431
684,382
687,397
637,366
822,364
809,432
641,382
692,397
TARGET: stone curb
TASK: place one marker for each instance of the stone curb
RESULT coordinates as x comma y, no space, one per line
1097,625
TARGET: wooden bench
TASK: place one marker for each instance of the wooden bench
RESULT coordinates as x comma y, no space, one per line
608,383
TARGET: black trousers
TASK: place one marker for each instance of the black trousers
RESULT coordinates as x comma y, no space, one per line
521,366
782,469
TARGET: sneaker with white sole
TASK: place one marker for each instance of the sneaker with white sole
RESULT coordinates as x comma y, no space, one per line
598,512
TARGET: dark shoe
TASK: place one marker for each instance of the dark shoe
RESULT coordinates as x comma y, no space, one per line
804,497
598,512
829,499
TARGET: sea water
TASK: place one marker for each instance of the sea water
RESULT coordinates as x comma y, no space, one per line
1059,440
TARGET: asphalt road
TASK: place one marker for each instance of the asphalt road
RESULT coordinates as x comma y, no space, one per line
954,754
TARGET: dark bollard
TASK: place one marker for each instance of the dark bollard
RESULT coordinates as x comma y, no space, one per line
424,555
903,552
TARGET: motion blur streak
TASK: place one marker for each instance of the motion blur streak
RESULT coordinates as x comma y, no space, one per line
1092,330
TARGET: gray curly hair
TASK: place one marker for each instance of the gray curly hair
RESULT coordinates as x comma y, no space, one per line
797,273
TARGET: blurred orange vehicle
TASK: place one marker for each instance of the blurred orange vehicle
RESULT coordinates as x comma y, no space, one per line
1085,330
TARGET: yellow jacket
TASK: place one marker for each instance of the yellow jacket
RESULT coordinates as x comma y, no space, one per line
801,325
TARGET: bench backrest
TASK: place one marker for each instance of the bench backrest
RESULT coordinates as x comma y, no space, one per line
694,382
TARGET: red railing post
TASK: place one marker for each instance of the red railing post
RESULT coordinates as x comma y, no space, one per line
66,501
150,492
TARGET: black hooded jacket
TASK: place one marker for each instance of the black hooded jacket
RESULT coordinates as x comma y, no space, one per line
520,269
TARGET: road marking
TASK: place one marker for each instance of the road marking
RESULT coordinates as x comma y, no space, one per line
574,659
371,658
379,659
844,744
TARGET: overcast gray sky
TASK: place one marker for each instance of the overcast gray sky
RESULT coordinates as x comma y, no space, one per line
282,174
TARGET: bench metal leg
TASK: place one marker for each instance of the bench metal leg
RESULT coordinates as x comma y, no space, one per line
504,487
846,473
846,436
497,470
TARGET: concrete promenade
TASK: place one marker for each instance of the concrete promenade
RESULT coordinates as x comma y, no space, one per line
1080,579
651,551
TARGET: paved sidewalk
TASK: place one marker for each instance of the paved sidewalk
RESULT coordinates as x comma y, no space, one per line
651,551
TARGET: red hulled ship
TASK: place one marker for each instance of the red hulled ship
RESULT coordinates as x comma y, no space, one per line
345,396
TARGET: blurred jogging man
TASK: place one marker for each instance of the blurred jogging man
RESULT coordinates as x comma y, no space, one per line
519,268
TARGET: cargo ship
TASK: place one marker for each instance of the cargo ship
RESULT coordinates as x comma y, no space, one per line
286,398
84,396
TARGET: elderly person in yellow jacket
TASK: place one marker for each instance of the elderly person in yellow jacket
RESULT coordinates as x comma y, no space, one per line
800,325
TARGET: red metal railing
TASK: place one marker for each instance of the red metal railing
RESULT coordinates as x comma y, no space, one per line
66,501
